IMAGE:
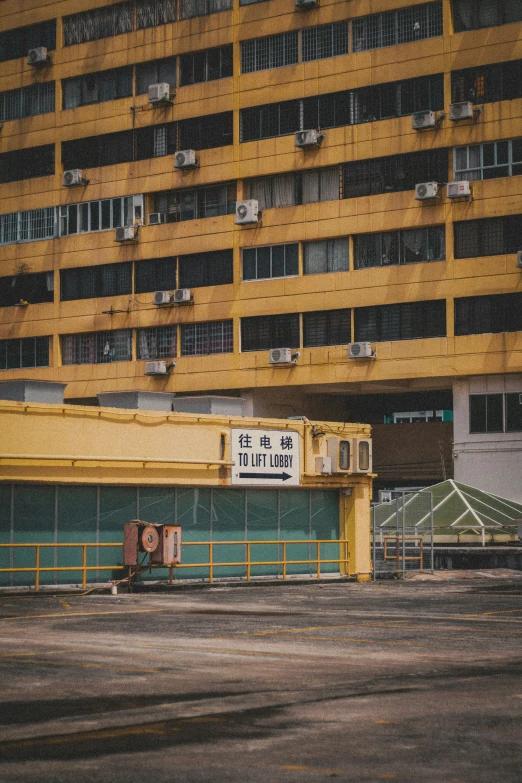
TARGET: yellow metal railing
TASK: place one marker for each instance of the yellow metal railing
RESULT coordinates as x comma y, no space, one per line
318,561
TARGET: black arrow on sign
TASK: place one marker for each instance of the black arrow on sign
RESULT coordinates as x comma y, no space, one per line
282,476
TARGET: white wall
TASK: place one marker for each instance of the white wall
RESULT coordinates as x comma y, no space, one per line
489,461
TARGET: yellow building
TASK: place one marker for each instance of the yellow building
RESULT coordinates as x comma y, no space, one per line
360,238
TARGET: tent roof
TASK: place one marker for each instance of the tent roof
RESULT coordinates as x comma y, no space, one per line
455,505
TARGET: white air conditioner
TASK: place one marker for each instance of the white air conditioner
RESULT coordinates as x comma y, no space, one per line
340,451
459,189
159,93
308,138
247,212
281,356
156,368
362,456
37,56
162,297
305,3
423,119
426,190
74,177
182,296
185,159
155,218
360,351
519,259
126,234
461,111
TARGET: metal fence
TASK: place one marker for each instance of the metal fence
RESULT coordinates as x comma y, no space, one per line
402,535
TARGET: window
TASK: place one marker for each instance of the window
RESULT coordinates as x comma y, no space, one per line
326,327
397,99
157,342
394,173
27,226
105,150
27,101
273,119
283,190
260,263
195,203
150,13
263,332
97,87
27,352
204,133
329,40
410,246
271,52
206,66
395,27
155,274
207,338
31,288
97,347
90,282
155,72
486,413
16,43
191,8
488,314
325,255
489,161
27,163
488,83
513,403
404,321
100,215
474,14
487,237
97,23
201,269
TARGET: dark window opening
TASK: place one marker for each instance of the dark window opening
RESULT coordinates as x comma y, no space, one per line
155,72
475,14
97,87
486,413
27,352
488,314
16,43
487,237
263,332
155,274
204,269
27,164
326,327
31,288
394,173
91,282
191,204
206,66
403,321
260,263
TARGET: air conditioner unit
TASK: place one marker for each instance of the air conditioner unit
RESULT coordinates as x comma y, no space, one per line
247,212
162,297
281,356
185,159
305,4
182,296
159,93
519,259
155,218
459,189
461,111
360,351
423,119
426,190
362,457
340,452
126,234
74,177
37,56
308,138
156,368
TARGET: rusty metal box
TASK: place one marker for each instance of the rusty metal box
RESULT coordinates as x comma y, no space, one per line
130,544
168,551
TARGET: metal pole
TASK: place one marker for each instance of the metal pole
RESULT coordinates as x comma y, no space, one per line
284,559
403,537
318,545
84,567
248,561
432,550
374,562
37,565
210,561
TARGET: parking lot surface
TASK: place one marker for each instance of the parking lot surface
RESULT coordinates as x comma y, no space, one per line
275,684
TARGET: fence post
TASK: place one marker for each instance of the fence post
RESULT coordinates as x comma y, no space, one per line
37,569
248,562
318,546
284,560
374,562
84,567
432,550
403,537
210,561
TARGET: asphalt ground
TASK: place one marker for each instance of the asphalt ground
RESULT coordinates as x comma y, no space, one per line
412,682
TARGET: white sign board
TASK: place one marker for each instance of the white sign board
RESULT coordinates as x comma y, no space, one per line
268,458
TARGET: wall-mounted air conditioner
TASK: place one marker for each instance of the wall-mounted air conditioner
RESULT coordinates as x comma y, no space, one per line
162,297
360,351
126,234
461,111
308,138
340,452
282,356
362,455
247,212
182,296
423,119
38,56
73,178
159,93
460,189
155,218
158,368
426,190
185,159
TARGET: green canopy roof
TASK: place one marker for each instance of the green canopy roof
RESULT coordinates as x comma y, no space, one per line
456,506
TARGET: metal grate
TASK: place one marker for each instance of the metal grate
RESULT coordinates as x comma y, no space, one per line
206,338
414,23
27,226
97,347
27,352
328,40
157,342
327,327
274,51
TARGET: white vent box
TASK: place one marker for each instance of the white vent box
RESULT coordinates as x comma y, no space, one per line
37,56
182,296
281,356
156,368
363,455
323,465
159,93
360,351
519,259
155,218
461,111
340,452
126,234
185,159
247,212
423,119
162,297
73,177
426,190
308,138
459,189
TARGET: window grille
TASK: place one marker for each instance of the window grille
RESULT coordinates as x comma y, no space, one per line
206,338
32,288
488,314
191,8
27,101
17,42
329,40
27,163
409,246
273,51
488,161
327,327
263,332
97,23
155,274
157,342
97,347
97,87
28,226
414,23
180,205
325,255
155,72
404,321
488,83
203,269
260,263
206,66
475,14
100,215
27,352
151,13
487,237
95,281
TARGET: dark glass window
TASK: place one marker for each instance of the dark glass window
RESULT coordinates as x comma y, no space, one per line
325,255
194,203
273,119
486,413
155,274
487,83
487,237
201,269
260,263
205,66
97,87
27,101
191,8
97,23
488,314
155,72
403,321
514,412
31,288
93,151
200,133
27,164
326,327
414,23
394,173
263,332
27,352
206,338
410,246
90,282
474,14
16,43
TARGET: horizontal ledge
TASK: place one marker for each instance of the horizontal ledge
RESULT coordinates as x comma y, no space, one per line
143,460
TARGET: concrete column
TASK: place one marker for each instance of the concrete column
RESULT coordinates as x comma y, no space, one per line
355,526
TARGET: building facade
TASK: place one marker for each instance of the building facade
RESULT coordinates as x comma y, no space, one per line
360,239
